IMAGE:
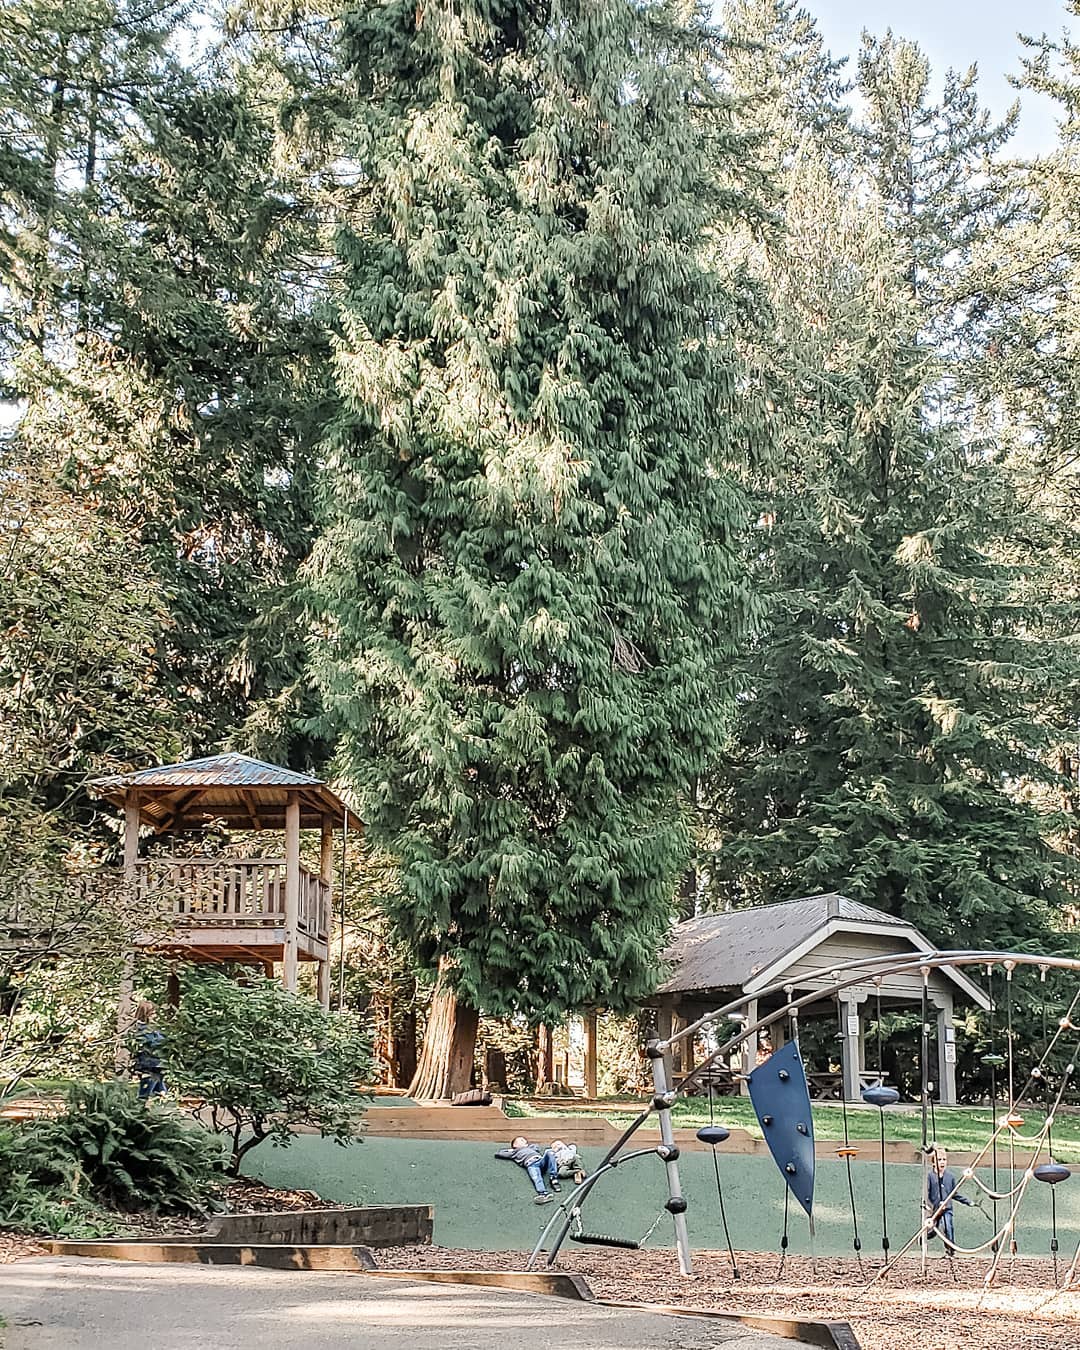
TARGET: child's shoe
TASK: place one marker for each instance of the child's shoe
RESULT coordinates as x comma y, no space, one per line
555,1185
544,1199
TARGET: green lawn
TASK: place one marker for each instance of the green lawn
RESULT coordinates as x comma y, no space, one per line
958,1127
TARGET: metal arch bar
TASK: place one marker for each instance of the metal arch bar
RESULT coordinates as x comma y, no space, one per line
857,972
608,1165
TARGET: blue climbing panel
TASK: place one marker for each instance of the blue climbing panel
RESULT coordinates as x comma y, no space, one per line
781,1100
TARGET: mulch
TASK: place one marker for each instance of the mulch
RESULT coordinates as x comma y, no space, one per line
904,1309
241,1197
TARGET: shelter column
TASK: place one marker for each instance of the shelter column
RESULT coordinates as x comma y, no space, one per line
749,1046
326,875
292,892
125,1002
946,1049
590,1053
851,1048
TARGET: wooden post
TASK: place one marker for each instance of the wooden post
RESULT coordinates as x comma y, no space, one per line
126,1001
591,1062
665,1026
322,981
326,874
749,1046
946,1049
849,1052
292,892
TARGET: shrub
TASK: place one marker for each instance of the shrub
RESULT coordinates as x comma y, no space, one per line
107,1151
265,1061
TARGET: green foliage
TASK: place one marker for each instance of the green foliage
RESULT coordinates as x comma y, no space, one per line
106,1152
526,595
265,1061
900,696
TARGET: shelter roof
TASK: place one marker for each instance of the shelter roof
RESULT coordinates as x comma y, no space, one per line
245,793
739,948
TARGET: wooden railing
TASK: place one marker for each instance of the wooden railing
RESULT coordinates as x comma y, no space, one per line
231,892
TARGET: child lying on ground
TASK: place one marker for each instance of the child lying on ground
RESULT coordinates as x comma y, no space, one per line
569,1163
541,1167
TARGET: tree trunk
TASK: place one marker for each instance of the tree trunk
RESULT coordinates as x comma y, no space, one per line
403,1064
545,1057
446,1061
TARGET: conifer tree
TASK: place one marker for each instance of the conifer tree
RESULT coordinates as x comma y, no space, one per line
527,587
178,353
890,701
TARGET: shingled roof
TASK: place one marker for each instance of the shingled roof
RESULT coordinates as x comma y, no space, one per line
225,770
246,793
726,951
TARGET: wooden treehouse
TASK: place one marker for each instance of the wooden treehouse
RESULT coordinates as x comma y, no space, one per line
265,910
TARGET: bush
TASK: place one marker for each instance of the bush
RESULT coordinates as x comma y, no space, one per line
265,1061
107,1152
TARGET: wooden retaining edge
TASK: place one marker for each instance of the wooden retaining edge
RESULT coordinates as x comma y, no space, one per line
830,1335
270,1256
557,1283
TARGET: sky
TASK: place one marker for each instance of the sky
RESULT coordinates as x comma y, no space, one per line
959,33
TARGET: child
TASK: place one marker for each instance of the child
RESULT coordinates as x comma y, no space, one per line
146,1042
941,1190
541,1167
570,1165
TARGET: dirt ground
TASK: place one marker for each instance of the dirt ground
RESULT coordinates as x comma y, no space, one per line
903,1311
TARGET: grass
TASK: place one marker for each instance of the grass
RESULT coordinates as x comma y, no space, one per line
957,1127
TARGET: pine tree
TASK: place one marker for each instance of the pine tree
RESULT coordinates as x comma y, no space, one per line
527,587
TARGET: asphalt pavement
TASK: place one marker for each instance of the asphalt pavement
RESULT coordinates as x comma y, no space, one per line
65,1303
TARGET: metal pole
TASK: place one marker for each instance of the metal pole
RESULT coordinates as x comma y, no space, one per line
341,927
662,1100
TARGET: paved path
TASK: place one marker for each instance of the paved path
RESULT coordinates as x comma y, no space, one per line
62,1303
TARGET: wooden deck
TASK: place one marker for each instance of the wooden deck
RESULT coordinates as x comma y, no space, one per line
199,909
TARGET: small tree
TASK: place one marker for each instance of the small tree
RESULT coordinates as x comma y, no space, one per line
265,1061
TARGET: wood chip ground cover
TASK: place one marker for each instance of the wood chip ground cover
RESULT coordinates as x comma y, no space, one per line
904,1311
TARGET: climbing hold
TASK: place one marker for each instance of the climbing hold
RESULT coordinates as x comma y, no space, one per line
879,1095
1013,1120
783,1075
847,1152
1051,1173
790,1169
802,1128
676,1205
713,1134
994,1061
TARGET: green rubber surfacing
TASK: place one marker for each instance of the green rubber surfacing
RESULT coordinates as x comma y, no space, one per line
482,1204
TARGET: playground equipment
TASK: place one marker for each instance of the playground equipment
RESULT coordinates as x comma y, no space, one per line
780,1097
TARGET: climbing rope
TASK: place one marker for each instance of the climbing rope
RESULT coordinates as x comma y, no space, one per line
848,1152
720,1191
784,1235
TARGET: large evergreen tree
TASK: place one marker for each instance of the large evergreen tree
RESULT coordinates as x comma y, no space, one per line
528,589
164,285
892,702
